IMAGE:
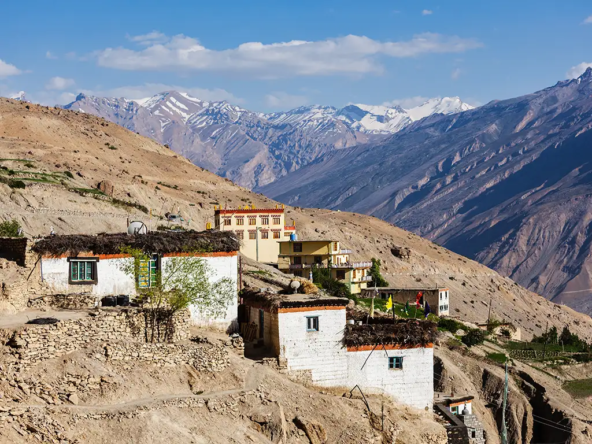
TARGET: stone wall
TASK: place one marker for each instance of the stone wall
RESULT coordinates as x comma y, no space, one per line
203,357
35,343
14,249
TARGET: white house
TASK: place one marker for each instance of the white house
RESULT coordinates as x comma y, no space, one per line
310,334
94,265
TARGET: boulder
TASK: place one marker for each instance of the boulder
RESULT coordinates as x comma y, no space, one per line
106,186
314,431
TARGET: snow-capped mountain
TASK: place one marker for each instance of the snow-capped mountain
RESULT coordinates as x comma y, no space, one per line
370,119
254,149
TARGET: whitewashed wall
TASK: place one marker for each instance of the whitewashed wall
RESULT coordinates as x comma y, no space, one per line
413,385
321,351
111,280
220,267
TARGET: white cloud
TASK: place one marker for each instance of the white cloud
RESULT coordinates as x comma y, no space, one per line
149,39
283,100
588,20
342,55
50,55
427,12
149,89
578,70
59,83
6,69
407,102
455,74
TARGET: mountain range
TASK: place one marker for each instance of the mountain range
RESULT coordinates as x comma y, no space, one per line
254,149
508,184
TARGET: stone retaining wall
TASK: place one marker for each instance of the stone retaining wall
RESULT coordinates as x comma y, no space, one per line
203,357
35,343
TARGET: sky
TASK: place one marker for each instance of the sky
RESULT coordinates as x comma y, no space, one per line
270,55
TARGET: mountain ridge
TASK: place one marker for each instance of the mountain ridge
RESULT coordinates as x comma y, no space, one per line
254,149
507,184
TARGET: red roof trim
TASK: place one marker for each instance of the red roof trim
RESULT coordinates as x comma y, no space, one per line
263,210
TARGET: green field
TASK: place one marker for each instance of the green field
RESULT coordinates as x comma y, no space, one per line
579,388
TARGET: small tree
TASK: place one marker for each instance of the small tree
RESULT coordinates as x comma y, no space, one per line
10,228
474,337
183,282
377,279
321,276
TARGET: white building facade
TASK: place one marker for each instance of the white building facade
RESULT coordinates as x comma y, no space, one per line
103,275
310,342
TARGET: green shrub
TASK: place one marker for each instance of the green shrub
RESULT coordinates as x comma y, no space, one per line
474,337
16,184
450,325
68,174
10,228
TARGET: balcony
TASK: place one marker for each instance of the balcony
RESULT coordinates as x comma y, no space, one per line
347,265
363,279
345,251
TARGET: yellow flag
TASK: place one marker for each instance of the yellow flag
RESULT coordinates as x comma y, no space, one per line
372,308
389,303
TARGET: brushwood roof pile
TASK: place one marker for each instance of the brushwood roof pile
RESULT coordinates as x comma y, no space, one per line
153,242
276,300
404,332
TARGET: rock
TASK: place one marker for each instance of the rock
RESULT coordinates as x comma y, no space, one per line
17,412
314,431
73,398
106,186
460,332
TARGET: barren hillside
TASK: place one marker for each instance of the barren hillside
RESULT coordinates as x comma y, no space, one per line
44,143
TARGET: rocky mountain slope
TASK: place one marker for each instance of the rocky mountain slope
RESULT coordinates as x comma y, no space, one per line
254,149
39,144
507,184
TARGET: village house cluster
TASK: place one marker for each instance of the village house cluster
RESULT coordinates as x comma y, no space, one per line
317,337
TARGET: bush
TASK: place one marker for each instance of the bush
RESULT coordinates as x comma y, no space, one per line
474,337
377,279
450,325
10,228
322,278
68,174
16,184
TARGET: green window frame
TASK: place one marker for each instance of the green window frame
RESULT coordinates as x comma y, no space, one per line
148,272
395,362
82,271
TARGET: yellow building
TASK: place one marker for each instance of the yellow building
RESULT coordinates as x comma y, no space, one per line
298,258
258,230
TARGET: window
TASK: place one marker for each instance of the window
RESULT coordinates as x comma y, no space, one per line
276,220
297,260
340,275
286,234
312,323
83,271
265,235
240,221
252,235
276,234
227,221
240,234
265,221
252,221
148,272
297,247
395,363
473,433
454,410
318,259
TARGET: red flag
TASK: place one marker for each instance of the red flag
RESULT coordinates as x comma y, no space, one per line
418,298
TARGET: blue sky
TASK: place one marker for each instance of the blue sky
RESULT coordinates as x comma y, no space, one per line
270,55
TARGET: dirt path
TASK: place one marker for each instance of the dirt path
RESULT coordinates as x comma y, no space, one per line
252,380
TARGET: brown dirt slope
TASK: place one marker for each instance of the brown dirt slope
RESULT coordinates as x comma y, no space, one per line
48,142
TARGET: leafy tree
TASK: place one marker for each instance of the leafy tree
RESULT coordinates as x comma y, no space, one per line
183,282
552,335
10,228
377,279
566,337
321,276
